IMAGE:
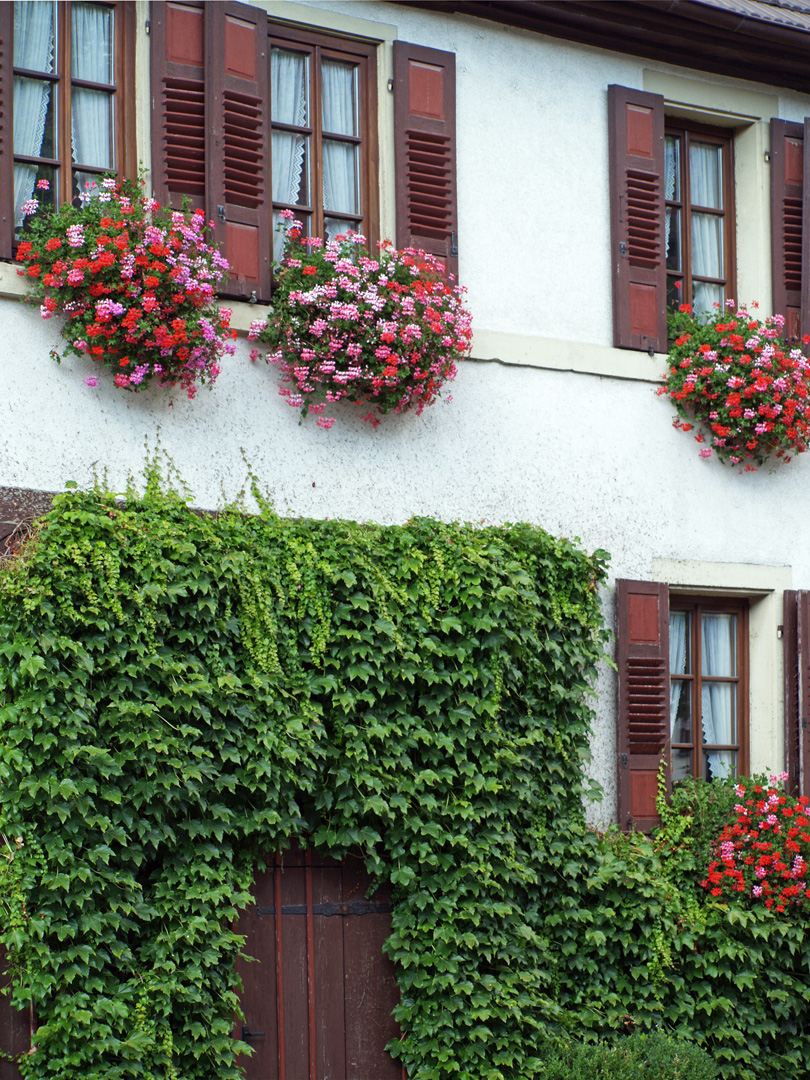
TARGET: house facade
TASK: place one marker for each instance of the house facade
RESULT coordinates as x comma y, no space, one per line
580,165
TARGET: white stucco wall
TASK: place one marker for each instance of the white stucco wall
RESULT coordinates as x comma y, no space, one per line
584,455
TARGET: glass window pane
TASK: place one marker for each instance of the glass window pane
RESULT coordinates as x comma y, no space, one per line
91,43
672,227
89,184
681,765
707,246
672,168
679,626
707,298
34,30
719,765
680,711
289,87
718,644
26,178
340,177
92,128
718,703
280,239
290,168
339,97
706,175
34,117
337,227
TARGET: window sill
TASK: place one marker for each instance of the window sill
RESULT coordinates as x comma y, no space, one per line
14,287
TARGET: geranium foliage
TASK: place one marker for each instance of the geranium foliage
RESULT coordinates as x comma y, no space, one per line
180,692
384,331
733,377
136,285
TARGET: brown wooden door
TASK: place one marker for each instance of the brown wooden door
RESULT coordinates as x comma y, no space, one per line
319,996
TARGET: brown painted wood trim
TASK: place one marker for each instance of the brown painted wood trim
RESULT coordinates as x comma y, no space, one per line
791,682
6,132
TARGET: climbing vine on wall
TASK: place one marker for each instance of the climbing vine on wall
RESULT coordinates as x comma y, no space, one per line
180,692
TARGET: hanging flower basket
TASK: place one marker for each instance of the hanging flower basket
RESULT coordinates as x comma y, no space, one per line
135,284
734,379
384,332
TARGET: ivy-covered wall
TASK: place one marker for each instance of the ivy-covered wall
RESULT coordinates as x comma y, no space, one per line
180,692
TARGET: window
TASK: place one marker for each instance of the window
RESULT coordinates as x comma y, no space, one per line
70,76
699,222
708,693
322,134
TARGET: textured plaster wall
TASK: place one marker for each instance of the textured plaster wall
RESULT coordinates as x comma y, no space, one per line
582,455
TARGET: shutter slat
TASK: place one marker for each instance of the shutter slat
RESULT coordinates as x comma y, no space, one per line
638,258
6,148
238,166
643,723
425,123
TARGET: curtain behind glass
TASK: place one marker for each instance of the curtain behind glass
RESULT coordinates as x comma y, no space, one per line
717,704
33,49
677,663
91,54
706,189
288,94
339,118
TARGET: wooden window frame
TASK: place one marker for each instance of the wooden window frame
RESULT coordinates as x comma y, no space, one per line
122,92
694,680
364,54
687,131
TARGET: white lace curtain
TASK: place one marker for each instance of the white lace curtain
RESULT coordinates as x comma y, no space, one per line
339,158
718,633
34,50
289,85
91,53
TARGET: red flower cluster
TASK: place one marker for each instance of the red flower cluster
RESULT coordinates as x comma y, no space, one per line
764,855
385,331
734,377
136,284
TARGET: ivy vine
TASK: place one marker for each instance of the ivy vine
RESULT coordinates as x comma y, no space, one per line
180,692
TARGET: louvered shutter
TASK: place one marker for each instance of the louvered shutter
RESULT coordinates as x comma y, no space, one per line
642,655
178,103
425,144
796,646
238,152
638,256
6,148
789,206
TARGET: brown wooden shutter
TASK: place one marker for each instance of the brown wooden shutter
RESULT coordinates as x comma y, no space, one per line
15,1035
638,258
643,736
6,147
789,207
178,102
238,151
425,143
796,646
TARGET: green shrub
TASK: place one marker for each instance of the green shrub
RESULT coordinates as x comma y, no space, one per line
638,1057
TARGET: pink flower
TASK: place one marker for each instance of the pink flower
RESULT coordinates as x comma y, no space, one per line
705,452
91,380
43,185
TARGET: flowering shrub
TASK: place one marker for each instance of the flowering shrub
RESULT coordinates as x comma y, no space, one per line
384,331
732,376
764,855
135,283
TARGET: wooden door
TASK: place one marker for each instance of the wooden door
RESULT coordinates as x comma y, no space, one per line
319,996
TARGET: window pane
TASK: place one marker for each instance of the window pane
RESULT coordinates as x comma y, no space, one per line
34,27
91,50
680,711
279,238
337,227
719,765
672,168
681,765
290,168
25,187
34,117
718,643
339,97
706,175
289,84
719,714
679,625
91,128
340,175
707,246
89,184
706,298
673,239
